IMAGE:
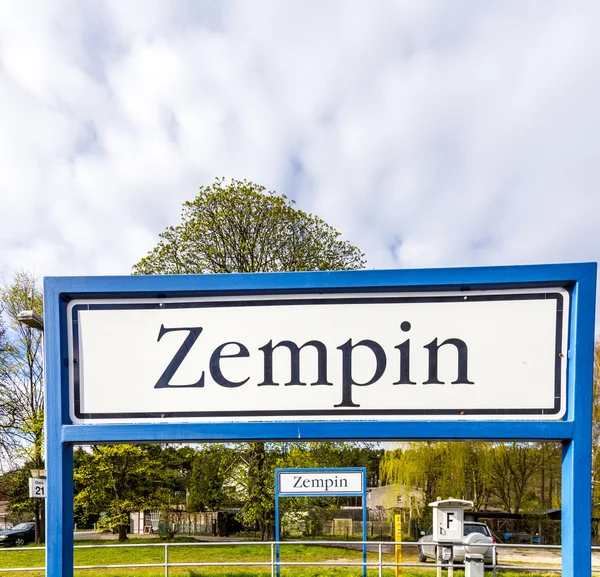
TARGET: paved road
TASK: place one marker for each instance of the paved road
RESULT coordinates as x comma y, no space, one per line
88,535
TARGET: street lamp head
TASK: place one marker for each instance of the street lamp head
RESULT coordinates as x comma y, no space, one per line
31,319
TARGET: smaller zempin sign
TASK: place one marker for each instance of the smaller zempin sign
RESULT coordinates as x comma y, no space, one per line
322,483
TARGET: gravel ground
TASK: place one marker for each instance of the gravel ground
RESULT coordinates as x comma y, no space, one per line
536,556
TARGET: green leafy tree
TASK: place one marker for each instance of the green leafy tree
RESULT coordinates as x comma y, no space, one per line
258,510
172,481
467,472
175,464
440,469
7,417
210,469
22,378
115,480
349,455
512,468
23,365
417,466
19,502
83,516
5,349
548,480
515,476
240,227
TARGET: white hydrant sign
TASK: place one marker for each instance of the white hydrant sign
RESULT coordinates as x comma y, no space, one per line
448,519
448,526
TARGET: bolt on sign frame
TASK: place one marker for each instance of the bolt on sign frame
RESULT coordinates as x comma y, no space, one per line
322,482
489,354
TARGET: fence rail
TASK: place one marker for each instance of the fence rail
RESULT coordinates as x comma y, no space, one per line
378,562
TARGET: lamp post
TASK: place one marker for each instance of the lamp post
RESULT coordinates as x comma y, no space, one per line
35,321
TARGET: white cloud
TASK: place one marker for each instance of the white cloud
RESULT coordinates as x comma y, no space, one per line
429,133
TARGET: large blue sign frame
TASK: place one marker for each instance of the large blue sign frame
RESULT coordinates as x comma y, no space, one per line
573,431
335,493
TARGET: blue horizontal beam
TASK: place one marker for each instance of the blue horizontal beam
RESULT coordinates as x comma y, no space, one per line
310,431
490,277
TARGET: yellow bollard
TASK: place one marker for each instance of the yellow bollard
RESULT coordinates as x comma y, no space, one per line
398,539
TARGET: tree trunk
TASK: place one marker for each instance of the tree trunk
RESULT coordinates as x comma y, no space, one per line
37,521
122,532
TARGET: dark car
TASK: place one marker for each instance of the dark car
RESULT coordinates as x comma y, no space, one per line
18,535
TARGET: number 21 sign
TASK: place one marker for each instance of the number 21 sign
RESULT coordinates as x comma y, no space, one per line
37,488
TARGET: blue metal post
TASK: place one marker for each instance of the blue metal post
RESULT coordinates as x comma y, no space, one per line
59,457
277,529
59,522
364,512
576,509
577,451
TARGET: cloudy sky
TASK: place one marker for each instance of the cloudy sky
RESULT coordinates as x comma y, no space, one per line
430,133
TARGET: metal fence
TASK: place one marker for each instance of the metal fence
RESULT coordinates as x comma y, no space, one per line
376,563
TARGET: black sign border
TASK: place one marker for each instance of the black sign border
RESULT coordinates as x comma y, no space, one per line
288,415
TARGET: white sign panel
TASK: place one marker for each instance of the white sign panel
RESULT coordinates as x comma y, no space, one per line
374,356
448,524
37,488
334,482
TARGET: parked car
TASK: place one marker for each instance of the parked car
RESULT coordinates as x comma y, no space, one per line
18,535
482,535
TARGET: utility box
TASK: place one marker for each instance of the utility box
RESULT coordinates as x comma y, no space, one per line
448,519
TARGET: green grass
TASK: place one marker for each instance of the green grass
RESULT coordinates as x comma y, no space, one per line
236,554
